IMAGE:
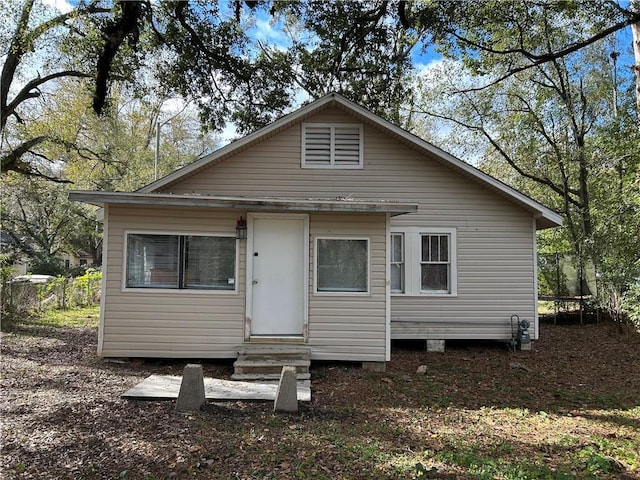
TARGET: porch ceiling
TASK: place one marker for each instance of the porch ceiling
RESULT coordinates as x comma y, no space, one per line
244,203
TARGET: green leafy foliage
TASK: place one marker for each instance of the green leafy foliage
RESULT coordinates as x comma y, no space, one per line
631,304
247,62
554,131
39,219
59,293
533,94
119,149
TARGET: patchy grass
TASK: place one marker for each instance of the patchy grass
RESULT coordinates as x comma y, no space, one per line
73,318
80,317
575,414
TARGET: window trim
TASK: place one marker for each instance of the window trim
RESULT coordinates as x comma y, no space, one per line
447,263
315,267
413,261
402,262
332,164
190,291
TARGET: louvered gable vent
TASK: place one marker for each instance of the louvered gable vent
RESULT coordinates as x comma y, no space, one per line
317,143
347,145
332,146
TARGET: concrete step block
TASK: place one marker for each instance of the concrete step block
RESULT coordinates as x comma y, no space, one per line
262,369
253,377
274,352
287,394
272,363
191,395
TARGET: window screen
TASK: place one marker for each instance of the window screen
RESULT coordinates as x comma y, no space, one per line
397,263
152,261
343,265
435,264
178,261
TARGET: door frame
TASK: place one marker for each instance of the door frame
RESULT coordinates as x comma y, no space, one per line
251,216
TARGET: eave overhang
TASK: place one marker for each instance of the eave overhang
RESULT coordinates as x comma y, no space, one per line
345,205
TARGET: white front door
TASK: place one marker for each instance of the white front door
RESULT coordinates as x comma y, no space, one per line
277,280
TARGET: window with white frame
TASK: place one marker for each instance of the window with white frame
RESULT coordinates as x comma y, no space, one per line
180,262
397,262
423,261
342,265
435,265
332,145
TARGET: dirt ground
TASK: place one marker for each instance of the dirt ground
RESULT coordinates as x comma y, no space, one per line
568,409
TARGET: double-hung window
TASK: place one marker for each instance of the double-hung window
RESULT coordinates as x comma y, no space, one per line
180,262
423,261
332,145
397,262
435,264
342,265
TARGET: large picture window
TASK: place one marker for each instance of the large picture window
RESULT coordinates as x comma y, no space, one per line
180,262
342,265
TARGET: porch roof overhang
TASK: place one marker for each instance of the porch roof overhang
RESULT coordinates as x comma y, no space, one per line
346,205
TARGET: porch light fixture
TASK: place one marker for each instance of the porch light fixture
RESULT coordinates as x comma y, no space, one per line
241,229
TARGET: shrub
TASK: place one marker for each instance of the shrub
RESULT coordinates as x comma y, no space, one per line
85,289
623,307
60,292
631,305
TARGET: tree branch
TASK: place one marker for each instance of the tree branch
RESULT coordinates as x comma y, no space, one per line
115,34
11,161
543,131
550,54
22,42
543,181
26,91
537,60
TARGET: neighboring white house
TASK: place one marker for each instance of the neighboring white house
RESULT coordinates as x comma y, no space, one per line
357,233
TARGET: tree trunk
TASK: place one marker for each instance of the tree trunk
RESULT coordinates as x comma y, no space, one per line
14,55
635,33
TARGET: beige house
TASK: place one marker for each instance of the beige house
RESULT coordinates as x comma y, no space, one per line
357,233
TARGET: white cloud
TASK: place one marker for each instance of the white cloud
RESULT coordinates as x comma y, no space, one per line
424,69
264,30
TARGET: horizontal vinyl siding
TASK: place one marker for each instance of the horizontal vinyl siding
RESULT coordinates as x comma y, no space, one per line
178,323
349,327
494,237
495,280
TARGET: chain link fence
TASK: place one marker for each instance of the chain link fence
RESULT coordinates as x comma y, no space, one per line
26,297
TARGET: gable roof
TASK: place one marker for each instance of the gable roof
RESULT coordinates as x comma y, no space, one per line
545,217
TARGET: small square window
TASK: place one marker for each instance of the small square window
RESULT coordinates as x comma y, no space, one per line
342,265
152,261
210,262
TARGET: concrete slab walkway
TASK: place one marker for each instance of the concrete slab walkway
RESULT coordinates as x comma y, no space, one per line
167,387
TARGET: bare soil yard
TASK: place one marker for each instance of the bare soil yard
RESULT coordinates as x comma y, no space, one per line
568,409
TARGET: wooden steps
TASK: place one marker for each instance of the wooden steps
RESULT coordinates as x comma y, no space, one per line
264,362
